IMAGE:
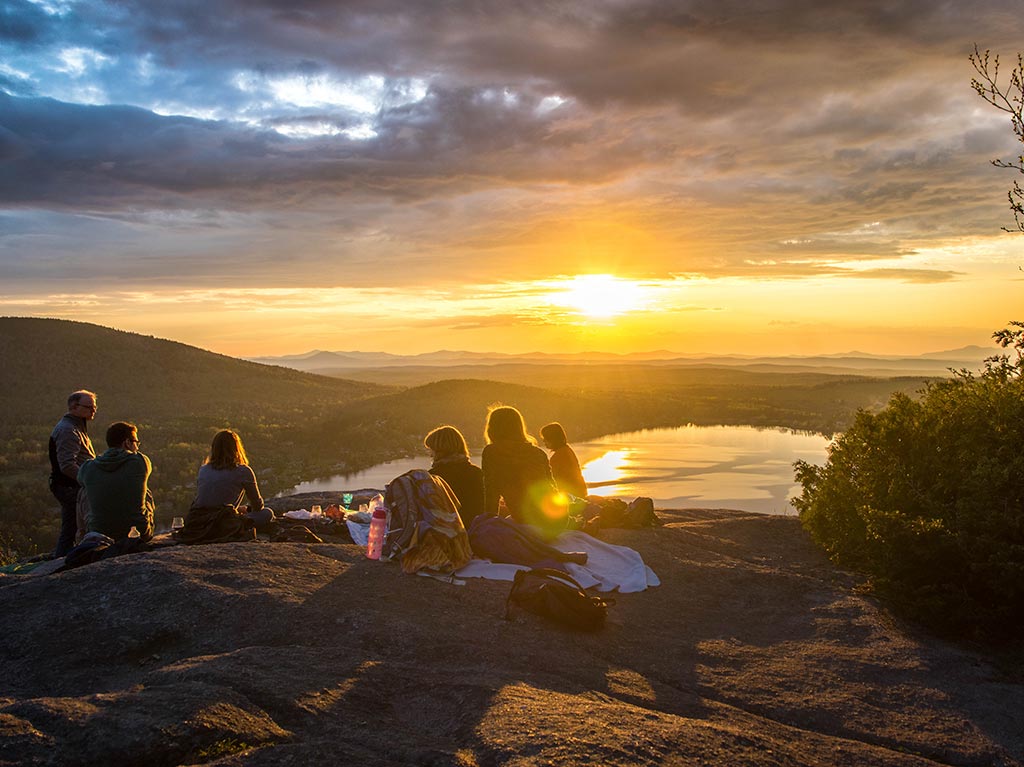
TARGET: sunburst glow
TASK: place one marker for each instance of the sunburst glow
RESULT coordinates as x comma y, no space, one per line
600,295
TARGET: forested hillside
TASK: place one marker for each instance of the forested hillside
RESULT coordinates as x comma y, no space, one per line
298,426
178,395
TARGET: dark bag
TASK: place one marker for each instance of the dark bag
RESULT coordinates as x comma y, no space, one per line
557,597
88,551
215,524
640,513
96,547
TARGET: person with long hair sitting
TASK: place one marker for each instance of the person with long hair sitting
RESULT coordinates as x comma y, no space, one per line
565,466
451,463
517,471
226,477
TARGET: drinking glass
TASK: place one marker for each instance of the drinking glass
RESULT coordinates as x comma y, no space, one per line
346,500
177,523
316,511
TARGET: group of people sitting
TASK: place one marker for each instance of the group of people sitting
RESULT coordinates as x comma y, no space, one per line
109,493
515,478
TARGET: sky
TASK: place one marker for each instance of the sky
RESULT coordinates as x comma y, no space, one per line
708,176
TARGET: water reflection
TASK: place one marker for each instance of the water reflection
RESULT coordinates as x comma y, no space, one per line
608,469
723,466
738,467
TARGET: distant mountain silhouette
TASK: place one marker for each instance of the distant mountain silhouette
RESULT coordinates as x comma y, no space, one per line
964,352
471,363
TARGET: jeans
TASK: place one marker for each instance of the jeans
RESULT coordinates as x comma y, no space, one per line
261,518
68,498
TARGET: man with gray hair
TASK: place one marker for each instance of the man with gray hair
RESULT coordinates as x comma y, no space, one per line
70,447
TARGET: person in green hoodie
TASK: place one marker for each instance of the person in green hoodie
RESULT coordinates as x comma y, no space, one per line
116,486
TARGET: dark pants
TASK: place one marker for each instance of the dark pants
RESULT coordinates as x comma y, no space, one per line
68,497
261,518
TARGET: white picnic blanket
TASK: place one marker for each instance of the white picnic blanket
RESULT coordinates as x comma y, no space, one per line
609,567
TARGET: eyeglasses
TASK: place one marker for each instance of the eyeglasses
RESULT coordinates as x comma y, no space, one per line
135,442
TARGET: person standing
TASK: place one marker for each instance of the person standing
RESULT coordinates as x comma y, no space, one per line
70,447
116,484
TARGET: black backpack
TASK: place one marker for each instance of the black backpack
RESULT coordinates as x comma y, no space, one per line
555,596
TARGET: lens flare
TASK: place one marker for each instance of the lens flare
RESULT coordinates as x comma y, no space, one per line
555,505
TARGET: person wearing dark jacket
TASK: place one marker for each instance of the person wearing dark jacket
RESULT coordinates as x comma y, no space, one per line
116,484
517,471
452,464
70,447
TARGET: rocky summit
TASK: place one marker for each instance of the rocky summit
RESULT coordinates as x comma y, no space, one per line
755,650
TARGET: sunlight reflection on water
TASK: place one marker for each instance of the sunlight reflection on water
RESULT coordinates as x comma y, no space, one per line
715,466
739,467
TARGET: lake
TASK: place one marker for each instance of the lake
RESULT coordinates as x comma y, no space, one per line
736,467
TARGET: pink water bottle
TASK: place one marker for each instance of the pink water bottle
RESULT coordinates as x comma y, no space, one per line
378,524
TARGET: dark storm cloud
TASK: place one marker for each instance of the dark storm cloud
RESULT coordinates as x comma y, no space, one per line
65,154
23,24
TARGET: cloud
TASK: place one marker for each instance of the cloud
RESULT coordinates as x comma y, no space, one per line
278,143
917,276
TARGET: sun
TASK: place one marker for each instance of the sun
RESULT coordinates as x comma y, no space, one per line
599,295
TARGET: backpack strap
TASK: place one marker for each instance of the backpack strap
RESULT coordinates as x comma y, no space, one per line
550,573
520,574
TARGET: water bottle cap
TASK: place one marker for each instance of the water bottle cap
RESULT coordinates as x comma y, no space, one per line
380,513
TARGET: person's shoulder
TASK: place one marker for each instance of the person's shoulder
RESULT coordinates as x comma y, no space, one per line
244,471
466,467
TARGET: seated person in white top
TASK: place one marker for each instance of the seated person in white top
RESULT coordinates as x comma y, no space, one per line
225,478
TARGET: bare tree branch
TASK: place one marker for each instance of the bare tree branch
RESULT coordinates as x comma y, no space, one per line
1009,99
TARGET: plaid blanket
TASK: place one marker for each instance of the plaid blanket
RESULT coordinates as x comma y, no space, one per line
425,530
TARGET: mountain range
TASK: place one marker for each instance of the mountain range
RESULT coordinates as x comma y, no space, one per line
343,363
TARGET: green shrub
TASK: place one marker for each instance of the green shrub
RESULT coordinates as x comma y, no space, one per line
927,498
